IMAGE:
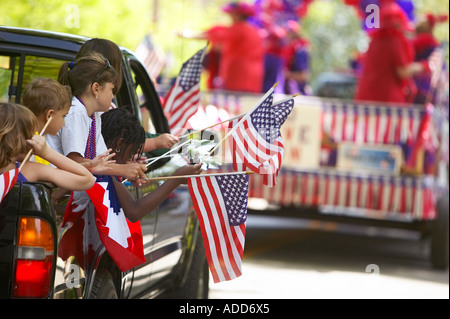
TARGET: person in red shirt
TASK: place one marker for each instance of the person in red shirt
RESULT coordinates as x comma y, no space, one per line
424,45
388,65
241,66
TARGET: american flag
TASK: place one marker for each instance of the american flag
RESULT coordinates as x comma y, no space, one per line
436,61
221,206
181,102
121,238
7,181
151,56
256,141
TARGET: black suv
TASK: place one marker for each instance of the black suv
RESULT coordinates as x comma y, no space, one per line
30,226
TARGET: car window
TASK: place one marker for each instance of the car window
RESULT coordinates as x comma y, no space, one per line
154,120
6,71
11,88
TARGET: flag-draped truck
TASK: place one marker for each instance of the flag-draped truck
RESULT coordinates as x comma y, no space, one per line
33,264
370,163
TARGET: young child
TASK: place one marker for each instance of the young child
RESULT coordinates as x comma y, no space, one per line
47,98
122,130
92,80
111,51
17,128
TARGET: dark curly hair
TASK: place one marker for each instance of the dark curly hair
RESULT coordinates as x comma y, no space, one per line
121,123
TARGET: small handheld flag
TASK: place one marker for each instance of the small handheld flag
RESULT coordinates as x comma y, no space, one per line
256,142
221,206
183,98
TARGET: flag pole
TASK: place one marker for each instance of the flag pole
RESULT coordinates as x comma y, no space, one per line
165,154
270,91
162,156
198,131
199,175
233,118
31,150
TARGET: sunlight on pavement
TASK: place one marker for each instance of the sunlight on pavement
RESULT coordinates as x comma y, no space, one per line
259,282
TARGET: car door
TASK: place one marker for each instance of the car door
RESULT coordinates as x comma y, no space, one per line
172,215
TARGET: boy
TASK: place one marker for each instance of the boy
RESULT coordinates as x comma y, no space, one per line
47,98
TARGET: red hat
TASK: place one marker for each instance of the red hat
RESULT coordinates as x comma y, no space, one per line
391,14
239,7
433,19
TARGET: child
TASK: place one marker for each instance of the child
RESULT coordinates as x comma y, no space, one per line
92,80
47,98
108,49
17,127
122,130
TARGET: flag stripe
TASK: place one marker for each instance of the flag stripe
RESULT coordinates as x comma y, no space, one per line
229,234
256,139
194,191
184,111
7,182
183,98
224,243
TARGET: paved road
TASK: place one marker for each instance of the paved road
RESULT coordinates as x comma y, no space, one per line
292,258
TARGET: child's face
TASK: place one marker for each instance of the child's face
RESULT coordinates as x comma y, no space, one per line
105,97
126,153
57,120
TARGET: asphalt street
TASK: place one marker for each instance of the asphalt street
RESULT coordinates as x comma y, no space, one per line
290,258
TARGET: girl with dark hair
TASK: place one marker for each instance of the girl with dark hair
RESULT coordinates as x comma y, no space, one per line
108,50
111,51
122,131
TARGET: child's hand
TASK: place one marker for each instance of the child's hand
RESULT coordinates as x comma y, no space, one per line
142,159
101,164
134,172
166,140
39,145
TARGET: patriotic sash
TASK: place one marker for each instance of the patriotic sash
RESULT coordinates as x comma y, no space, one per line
7,182
402,197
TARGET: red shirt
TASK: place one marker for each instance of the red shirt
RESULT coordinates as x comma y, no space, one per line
388,50
242,57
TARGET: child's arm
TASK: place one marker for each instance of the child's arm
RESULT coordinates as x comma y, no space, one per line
100,165
164,140
67,174
135,210
131,171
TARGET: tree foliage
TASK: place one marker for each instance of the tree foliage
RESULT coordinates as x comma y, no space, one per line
332,27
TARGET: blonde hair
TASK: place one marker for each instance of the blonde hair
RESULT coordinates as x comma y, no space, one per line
17,124
43,94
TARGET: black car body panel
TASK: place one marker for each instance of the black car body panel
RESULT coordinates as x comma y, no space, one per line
171,232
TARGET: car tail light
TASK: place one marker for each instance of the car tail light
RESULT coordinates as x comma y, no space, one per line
34,259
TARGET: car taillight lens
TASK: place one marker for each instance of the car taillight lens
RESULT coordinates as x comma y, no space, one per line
34,260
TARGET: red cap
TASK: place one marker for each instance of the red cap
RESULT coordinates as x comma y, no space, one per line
239,7
391,15
433,19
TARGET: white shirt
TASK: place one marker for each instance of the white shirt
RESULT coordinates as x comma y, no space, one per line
73,136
